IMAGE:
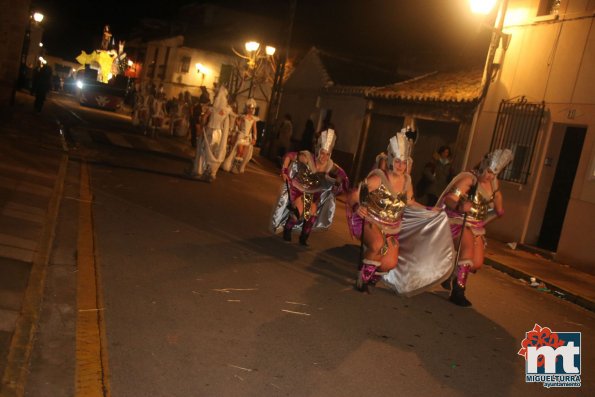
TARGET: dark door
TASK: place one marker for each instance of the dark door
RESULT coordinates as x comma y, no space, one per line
557,202
382,128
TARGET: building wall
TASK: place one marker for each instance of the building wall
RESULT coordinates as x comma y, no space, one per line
553,60
347,116
301,94
176,81
12,33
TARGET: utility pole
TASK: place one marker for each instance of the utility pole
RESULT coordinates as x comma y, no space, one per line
277,89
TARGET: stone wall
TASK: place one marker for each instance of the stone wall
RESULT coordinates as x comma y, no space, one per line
13,22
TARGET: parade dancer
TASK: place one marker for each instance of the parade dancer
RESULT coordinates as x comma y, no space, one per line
472,200
394,229
241,152
311,183
212,145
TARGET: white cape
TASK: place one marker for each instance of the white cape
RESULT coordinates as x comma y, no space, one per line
426,252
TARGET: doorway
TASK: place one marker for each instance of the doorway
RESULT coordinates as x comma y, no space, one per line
559,195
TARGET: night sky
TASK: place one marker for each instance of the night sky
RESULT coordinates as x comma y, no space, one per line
368,29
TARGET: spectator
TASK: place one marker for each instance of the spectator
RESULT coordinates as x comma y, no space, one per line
308,136
42,84
284,136
436,176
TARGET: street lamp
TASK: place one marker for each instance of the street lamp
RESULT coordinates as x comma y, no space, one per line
254,56
38,17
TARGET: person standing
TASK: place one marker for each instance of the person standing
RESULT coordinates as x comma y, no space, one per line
472,200
311,183
284,136
436,176
41,86
308,135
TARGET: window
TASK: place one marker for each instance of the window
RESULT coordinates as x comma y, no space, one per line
161,72
548,7
517,127
184,65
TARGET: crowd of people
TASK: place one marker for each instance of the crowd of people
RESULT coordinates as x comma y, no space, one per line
410,242
223,138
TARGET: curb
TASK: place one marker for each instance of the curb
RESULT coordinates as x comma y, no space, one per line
557,291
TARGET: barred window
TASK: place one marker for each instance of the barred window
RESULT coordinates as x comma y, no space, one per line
517,127
184,64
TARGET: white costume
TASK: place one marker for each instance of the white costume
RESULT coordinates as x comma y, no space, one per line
245,137
211,147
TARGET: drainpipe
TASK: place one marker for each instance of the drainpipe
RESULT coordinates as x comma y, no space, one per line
488,70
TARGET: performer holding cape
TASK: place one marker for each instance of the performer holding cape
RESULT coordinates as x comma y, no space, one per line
307,198
472,200
405,244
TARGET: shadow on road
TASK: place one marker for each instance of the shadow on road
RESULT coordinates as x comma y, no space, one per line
419,346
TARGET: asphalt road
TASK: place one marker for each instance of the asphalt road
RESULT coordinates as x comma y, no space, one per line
200,299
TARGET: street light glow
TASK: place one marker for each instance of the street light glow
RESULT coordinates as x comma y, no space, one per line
482,6
200,68
38,17
252,46
270,50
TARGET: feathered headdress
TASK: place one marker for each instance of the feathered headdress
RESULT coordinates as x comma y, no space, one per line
496,161
327,140
400,147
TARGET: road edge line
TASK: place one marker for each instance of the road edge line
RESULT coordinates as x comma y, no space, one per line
91,368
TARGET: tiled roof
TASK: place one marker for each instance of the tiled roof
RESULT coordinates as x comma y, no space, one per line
460,86
341,71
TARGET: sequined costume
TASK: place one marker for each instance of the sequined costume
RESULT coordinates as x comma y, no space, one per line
306,181
481,211
246,134
321,188
422,236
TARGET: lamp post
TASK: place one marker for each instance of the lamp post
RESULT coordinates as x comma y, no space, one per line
254,56
485,7
28,51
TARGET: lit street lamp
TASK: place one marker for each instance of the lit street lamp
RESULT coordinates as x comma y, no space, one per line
38,17
254,56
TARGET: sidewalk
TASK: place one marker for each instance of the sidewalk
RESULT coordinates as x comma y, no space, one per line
562,280
32,171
